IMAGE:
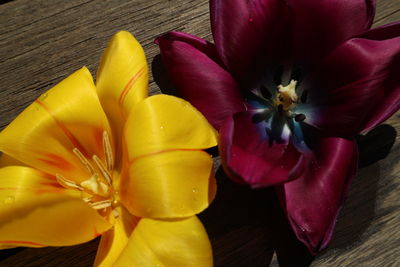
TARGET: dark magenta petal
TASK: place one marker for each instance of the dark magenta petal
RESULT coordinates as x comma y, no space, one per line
250,34
194,67
249,157
391,100
321,25
312,202
358,85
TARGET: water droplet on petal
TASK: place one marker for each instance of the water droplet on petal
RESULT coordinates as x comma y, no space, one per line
251,20
194,190
43,96
161,128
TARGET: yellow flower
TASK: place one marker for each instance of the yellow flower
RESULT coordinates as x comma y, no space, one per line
85,160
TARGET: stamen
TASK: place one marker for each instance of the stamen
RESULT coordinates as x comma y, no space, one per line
101,204
261,116
280,109
84,160
67,183
299,117
265,92
103,169
87,199
108,151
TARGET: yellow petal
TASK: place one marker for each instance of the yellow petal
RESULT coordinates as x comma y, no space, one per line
36,212
167,243
169,185
122,78
21,184
113,242
163,122
67,117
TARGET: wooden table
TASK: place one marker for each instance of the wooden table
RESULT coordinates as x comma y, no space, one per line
42,42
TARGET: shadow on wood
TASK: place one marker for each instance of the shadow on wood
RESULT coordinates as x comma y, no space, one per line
160,76
375,145
246,226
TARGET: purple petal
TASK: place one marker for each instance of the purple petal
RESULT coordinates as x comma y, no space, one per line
250,34
321,25
312,202
358,85
194,67
250,158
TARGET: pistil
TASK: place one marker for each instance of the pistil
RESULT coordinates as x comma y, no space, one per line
287,96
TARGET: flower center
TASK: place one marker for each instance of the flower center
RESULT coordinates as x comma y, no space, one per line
287,96
97,190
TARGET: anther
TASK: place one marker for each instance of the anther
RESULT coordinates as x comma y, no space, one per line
101,204
108,151
260,116
299,117
87,199
84,160
67,183
265,92
103,169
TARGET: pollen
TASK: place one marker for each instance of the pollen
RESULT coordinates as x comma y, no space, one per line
67,183
101,204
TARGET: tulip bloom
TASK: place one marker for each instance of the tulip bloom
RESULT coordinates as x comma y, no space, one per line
288,84
86,160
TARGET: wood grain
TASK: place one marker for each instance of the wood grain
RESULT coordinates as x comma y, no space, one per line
42,42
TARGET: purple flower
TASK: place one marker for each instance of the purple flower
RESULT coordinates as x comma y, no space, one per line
288,84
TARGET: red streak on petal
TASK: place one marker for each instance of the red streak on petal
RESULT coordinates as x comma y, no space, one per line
47,176
130,84
57,161
21,243
60,124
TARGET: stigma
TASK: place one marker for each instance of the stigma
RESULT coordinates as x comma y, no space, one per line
287,97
